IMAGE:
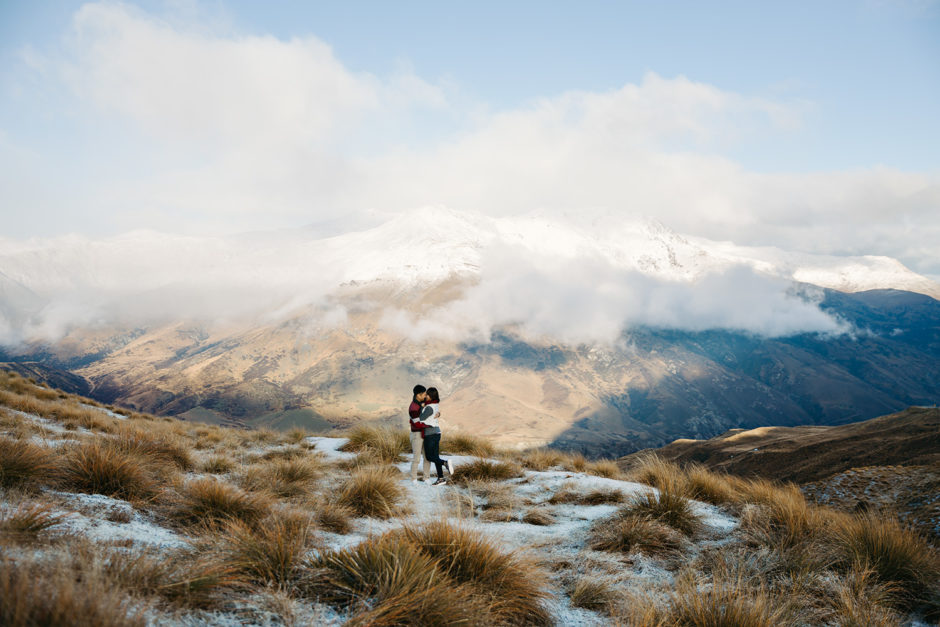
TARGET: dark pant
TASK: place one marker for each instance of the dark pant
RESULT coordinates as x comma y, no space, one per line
432,452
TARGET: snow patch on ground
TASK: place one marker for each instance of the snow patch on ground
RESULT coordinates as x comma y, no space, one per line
328,447
91,518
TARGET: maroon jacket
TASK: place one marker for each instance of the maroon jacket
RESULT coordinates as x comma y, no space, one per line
414,410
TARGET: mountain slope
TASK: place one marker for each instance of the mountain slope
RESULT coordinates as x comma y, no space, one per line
810,453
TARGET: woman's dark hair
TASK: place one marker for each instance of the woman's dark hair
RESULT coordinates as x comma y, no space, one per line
419,388
433,396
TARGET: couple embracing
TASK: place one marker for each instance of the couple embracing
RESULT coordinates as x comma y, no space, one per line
424,413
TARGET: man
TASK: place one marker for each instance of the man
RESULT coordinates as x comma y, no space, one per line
419,397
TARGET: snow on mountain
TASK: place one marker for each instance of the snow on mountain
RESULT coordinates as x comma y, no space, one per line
142,271
424,245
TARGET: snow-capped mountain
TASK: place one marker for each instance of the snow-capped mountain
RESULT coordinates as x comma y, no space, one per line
419,247
591,332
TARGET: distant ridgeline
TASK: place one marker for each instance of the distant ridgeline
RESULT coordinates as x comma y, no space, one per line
655,386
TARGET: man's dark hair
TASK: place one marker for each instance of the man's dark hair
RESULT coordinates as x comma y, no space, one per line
419,389
433,396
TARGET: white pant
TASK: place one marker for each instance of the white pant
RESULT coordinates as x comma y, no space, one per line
417,453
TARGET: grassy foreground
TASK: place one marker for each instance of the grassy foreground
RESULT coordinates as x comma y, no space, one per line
263,528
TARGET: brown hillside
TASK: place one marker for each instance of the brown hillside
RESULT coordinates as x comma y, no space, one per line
812,453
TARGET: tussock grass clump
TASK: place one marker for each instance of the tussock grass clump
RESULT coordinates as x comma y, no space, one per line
710,487
383,443
653,470
333,516
575,462
668,507
100,468
693,481
461,443
602,497
390,581
370,491
569,494
161,450
513,588
783,519
593,594
272,552
296,435
541,459
285,478
263,436
28,521
218,465
860,600
894,555
26,465
727,601
604,468
285,453
51,593
538,516
213,502
624,534
485,470
180,578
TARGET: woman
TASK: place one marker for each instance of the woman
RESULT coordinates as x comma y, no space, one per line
432,435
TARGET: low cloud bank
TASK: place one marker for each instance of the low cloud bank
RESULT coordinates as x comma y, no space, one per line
589,301
143,279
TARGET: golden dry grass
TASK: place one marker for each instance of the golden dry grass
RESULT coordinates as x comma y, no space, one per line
100,468
624,534
542,459
667,506
390,581
382,443
180,578
462,443
782,519
486,470
272,552
165,449
370,491
49,592
604,468
860,601
213,502
568,493
27,465
218,465
727,601
70,411
284,478
513,588
539,516
332,516
894,556
593,594
29,521
693,481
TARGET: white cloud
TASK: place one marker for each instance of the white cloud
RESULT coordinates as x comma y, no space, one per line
247,132
585,300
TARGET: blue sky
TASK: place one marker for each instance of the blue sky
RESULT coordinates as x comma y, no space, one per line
809,125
